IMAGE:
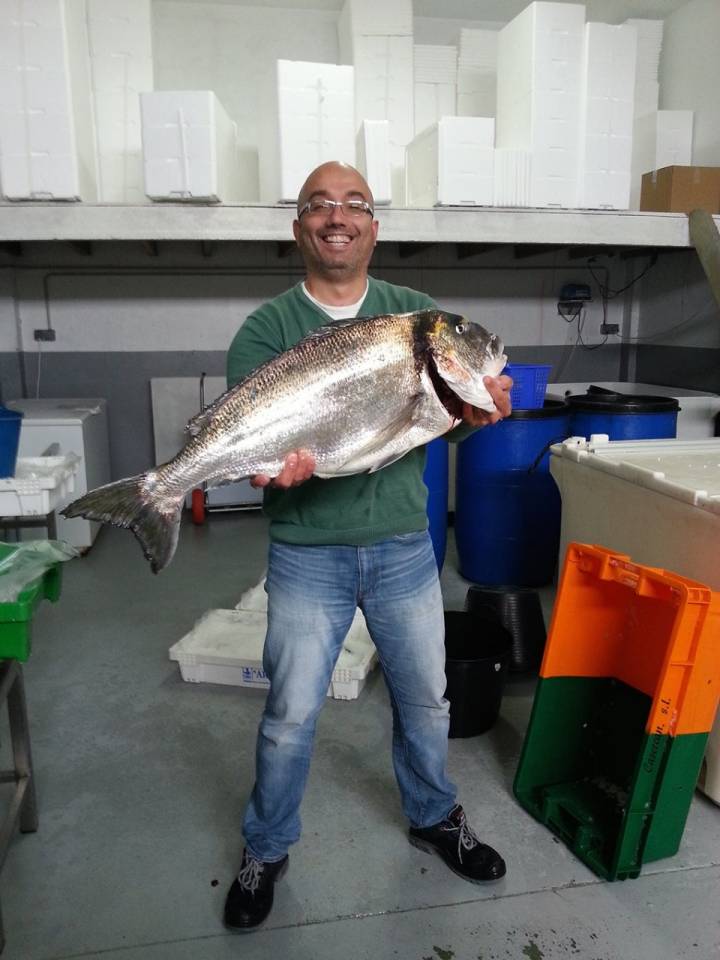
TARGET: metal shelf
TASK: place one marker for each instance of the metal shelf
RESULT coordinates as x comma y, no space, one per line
49,221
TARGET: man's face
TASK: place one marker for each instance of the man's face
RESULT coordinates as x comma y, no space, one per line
335,244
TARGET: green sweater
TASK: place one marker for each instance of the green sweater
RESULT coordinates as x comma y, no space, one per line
356,510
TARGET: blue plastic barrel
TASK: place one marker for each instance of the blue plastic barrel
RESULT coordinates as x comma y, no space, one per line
507,505
436,480
10,422
623,416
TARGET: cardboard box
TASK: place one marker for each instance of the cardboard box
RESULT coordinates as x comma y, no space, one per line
681,189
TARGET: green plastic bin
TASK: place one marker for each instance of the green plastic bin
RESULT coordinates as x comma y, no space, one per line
16,617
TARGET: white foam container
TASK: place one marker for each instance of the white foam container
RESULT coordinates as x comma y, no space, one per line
47,139
189,147
225,646
40,485
308,121
451,163
657,501
373,158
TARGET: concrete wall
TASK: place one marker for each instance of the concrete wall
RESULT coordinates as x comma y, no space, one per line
690,73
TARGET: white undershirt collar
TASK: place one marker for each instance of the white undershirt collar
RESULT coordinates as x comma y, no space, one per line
344,312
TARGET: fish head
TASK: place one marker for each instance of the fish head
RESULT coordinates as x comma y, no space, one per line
463,353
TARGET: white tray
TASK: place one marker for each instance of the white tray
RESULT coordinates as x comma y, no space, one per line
39,486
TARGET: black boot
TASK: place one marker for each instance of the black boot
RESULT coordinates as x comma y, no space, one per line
250,898
454,841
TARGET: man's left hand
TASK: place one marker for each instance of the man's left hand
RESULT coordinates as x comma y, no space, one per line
499,390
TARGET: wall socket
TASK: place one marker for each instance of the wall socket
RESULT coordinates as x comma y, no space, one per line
607,328
44,333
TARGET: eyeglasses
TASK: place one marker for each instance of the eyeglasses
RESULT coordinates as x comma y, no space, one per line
351,208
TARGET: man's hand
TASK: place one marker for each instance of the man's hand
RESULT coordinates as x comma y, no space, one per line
499,390
299,466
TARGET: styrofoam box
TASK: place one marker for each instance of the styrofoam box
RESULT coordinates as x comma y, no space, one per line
697,409
656,500
433,101
606,116
373,158
121,63
538,100
47,143
451,163
39,486
189,147
374,18
511,187
225,646
309,121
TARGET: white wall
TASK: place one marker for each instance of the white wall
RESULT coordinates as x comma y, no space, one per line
676,305
690,73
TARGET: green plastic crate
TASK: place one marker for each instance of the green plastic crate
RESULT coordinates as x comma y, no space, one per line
16,617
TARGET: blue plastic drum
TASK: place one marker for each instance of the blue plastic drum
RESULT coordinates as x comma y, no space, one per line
10,423
436,480
507,505
623,416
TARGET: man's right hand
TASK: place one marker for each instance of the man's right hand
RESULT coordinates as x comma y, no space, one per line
299,466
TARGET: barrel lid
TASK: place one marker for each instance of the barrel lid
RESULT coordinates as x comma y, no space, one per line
550,408
608,402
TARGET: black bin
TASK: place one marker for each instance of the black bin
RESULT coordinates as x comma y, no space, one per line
477,655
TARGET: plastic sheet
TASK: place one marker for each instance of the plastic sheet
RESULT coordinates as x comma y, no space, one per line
27,562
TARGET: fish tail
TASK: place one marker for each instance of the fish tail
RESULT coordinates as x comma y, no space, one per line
155,521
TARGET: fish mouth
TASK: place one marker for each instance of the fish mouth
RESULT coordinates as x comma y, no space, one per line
450,400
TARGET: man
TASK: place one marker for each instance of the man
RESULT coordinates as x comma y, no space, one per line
338,544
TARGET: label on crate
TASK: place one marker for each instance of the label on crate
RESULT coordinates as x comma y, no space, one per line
253,675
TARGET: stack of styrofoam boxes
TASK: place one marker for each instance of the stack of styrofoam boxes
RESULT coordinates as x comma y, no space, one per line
606,116
538,98
120,37
309,121
189,147
660,139
451,163
649,45
377,38
512,178
435,84
477,71
373,158
47,143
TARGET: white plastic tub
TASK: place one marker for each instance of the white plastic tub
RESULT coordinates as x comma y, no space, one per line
656,500
39,486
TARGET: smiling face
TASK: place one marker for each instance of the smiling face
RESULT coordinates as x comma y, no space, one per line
335,245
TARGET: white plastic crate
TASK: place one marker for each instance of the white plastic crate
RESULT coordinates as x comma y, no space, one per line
39,486
225,646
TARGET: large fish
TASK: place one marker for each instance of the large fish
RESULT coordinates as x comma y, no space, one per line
357,394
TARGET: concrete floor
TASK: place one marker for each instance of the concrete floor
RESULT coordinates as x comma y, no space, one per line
142,778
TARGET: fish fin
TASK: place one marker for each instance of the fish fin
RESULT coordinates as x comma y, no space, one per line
126,504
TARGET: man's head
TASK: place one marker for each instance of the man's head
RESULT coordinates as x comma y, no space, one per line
336,243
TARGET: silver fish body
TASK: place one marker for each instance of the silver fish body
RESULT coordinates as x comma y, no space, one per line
357,395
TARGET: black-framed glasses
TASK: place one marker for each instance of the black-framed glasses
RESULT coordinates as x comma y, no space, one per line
351,208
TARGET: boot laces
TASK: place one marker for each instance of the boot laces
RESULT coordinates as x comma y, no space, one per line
249,876
467,839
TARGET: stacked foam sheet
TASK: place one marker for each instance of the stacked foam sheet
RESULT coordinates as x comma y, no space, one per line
435,84
538,100
660,139
373,158
121,63
309,121
451,163
476,74
647,88
512,178
47,142
606,116
376,37
189,147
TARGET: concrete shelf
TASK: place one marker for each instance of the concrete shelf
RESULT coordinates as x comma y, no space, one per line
48,221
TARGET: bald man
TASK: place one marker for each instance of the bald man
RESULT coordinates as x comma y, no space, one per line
339,544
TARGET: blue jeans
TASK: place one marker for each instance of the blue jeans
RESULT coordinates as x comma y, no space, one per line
313,593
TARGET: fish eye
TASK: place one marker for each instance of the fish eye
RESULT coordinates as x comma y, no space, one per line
461,327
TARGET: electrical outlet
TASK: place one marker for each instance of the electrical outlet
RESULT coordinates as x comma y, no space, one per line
607,328
44,333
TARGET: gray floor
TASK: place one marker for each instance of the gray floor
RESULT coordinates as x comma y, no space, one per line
142,778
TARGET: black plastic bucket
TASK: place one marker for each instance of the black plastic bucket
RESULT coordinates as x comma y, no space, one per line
477,655
518,609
